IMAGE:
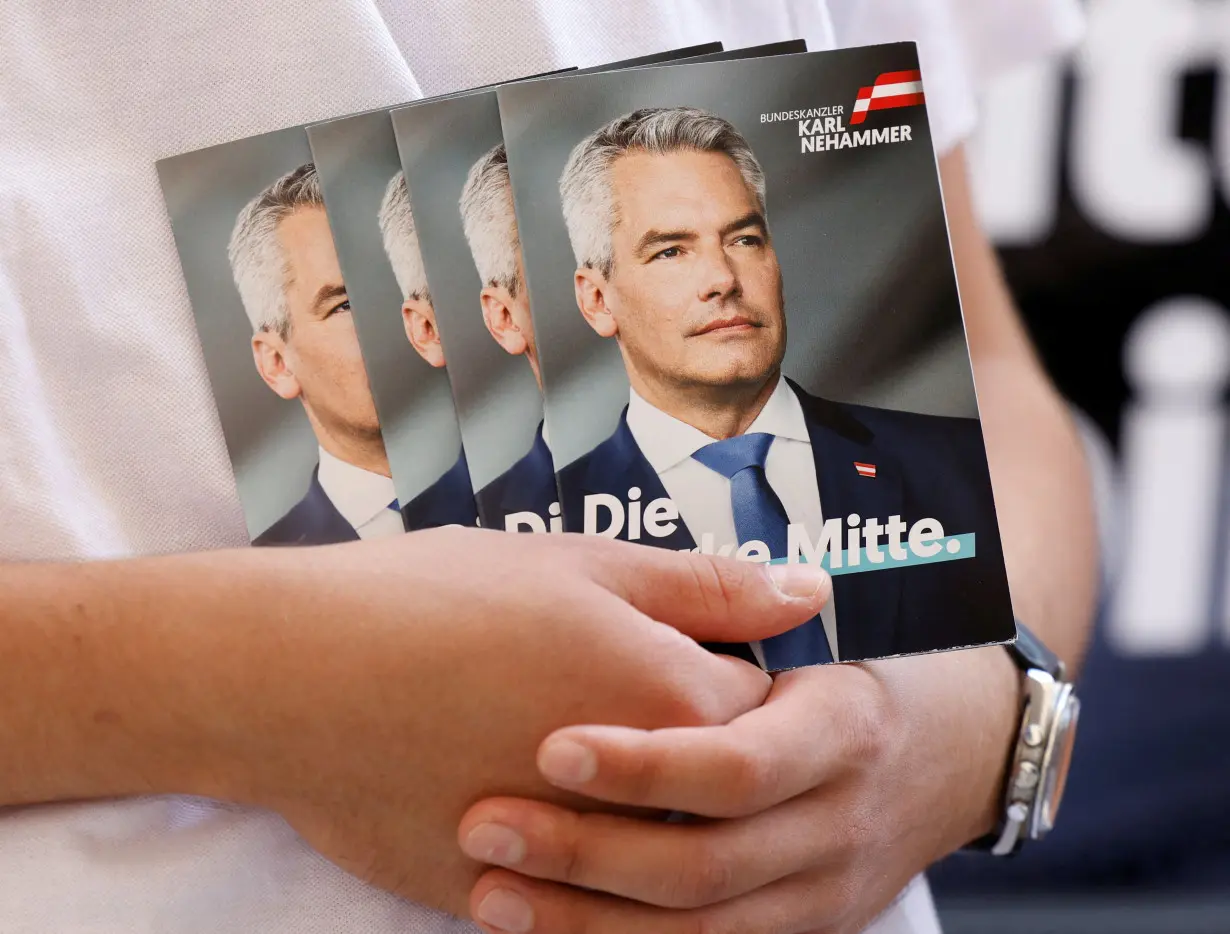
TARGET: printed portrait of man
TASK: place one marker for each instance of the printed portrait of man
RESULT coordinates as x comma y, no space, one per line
665,210
450,500
306,350
490,226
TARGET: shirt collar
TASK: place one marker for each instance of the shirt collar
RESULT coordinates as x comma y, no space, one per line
358,494
667,442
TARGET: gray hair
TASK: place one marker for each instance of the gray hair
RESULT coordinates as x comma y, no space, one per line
257,263
401,240
585,187
489,220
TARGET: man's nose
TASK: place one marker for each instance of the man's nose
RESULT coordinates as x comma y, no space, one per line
718,277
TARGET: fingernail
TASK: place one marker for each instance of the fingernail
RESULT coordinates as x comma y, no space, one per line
507,911
567,763
798,581
496,844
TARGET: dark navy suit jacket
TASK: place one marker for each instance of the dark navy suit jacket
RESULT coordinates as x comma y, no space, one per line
314,520
927,466
527,486
448,501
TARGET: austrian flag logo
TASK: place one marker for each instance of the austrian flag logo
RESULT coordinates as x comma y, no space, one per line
892,89
865,470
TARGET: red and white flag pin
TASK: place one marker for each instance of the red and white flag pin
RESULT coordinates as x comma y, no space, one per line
865,470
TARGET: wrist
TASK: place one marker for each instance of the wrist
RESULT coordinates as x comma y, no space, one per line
1000,689
961,713
89,697
145,676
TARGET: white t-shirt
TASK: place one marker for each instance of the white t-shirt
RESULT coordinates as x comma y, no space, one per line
109,439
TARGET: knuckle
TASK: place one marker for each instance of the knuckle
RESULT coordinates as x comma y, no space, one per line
702,922
691,697
709,586
691,702
722,922
573,866
855,832
867,722
844,899
751,775
643,776
829,904
730,580
845,836
704,877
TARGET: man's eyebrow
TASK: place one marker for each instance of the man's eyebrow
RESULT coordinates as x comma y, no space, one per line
326,292
750,219
653,236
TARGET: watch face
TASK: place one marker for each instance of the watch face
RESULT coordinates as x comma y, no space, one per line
1059,761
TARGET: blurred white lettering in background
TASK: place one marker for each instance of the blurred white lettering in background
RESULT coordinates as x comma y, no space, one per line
1137,180
1132,175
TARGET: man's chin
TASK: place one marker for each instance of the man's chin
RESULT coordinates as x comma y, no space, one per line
720,379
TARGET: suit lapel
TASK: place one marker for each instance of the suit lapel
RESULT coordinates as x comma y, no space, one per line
534,480
328,524
865,604
619,466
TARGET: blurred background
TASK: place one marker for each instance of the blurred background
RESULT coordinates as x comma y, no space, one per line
1104,180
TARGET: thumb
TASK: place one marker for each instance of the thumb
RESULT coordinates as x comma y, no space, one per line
713,599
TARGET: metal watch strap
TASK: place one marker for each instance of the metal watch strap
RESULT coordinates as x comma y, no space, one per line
1027,652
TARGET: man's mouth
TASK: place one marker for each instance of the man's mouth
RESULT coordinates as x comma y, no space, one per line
732,323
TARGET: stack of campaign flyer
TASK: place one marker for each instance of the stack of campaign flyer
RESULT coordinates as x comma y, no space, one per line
703,301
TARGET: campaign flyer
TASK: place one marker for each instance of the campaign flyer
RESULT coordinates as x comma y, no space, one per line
377,246
453,158
735,269
456,173
275,324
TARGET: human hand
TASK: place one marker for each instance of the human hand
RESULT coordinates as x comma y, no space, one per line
816,809
384,687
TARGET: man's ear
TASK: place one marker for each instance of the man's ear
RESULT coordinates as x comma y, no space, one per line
419,320
497,315
269,354
591,289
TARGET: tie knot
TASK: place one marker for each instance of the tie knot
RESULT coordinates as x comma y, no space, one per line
395,506
734,454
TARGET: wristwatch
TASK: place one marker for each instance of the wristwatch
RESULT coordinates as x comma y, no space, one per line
1038,767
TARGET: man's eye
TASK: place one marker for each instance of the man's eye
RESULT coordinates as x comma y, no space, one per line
669,253
341,306
750,240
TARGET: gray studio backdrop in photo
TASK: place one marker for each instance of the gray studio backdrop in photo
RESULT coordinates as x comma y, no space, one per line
497,399
871,299
356,157
269,439
498,403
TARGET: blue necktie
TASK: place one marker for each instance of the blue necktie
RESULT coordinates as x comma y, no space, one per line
760,516
395,506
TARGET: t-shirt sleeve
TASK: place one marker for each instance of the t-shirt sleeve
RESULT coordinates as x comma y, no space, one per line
962,44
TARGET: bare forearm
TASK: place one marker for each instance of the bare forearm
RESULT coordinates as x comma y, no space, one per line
969,702
95,694
1042,488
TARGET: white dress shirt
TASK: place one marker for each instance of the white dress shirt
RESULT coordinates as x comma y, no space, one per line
111,444
702,496
361,496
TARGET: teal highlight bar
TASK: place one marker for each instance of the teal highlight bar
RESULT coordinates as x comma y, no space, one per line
952,548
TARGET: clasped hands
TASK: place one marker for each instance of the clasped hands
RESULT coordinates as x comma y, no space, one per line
809,812
543,702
